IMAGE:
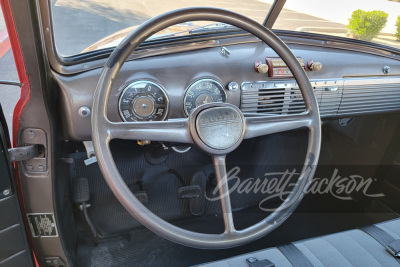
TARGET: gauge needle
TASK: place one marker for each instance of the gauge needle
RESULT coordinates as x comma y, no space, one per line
205,101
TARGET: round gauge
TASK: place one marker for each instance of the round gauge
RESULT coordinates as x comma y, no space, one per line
202,92
143,101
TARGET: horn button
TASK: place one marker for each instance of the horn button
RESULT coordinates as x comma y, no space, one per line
220,128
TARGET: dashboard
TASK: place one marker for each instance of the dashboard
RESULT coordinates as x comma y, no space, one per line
247,74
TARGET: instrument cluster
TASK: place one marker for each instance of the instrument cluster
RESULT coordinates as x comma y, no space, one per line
145,100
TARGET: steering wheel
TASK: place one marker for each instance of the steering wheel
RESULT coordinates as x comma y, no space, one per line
216,128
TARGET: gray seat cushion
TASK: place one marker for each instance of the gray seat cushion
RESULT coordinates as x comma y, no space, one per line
349,248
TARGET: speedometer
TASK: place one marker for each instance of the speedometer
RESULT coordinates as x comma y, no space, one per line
202,92
143,101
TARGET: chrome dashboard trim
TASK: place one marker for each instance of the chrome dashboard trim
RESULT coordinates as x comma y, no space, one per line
284,97
370,95
336,97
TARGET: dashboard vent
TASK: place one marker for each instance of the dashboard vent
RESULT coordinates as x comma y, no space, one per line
370,95
268,101
281,98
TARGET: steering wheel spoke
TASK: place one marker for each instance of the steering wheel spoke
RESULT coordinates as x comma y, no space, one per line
264,125
223,189
168,131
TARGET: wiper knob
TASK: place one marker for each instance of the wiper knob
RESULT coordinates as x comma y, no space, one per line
314,66
260,67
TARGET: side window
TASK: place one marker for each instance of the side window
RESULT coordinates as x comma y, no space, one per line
9,94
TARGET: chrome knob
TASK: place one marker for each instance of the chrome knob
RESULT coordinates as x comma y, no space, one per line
262,68
233,86
315,66
386,70
84,111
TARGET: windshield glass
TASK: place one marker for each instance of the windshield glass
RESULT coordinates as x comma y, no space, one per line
377,21
85,25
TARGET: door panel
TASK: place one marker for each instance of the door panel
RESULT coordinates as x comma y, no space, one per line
14,248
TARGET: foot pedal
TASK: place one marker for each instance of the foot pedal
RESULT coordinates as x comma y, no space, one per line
254,262
139,192
195,192
81,197
185,192
142,197
191,191
197,204
81,190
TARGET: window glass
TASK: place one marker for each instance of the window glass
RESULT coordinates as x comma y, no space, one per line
377,21
84,25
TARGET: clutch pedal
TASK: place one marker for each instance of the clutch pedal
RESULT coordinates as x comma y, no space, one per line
81,197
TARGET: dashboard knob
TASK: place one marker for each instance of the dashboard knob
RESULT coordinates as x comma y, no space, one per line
314,66
386,70
84,111
233,86
260,67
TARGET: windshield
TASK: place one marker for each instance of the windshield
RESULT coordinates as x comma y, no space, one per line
84,25
376,21
87,25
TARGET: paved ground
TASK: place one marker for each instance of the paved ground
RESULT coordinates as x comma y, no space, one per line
79,23
9,95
